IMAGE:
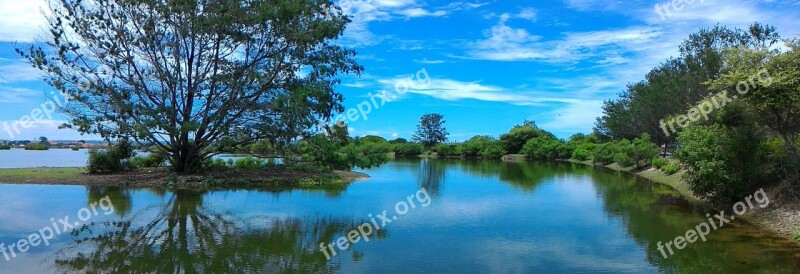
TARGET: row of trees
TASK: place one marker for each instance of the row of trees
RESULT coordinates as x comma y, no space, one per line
750,140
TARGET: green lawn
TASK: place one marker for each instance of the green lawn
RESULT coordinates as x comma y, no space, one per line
40,173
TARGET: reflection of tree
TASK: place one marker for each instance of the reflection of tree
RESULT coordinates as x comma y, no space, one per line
526,176
119,197
653,213
186,237
430,175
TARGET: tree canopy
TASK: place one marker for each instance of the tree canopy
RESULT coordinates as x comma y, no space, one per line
184,75
431,130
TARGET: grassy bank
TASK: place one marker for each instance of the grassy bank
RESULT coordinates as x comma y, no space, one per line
674,181
159,177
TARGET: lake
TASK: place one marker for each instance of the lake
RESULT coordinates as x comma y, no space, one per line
472,217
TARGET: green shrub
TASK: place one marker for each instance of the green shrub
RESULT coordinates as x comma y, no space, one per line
482,147
408,149
75,148
546,147
659,162
583,151
5,147
366,155
642,150
604,153
671,168
114,159
253,164
445,150
36,147
493,150
151,160
624,160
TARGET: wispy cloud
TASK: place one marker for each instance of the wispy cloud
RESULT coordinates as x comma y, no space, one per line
426,61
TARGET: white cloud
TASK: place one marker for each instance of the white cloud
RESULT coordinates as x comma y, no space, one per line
420,12
15,94
453,90
426,61
21,20
529,14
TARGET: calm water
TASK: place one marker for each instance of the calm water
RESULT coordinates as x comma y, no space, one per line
483,217
20,158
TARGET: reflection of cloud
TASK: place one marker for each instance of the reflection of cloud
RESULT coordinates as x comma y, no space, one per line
533,255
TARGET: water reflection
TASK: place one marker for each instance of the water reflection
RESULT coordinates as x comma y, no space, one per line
184,236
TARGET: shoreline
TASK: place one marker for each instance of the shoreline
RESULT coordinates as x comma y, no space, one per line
162,178
780,217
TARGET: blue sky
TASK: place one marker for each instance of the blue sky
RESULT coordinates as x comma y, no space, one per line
492,64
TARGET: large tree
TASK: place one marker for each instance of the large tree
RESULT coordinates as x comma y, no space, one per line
430,130
187,74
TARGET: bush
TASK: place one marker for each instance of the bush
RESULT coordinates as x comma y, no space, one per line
583,151
36,147
482,147
445,150
493,150
604,153
642,150
408,149
366,155
659,162
5,147
75,148
624,160
671,168
114,159
151,160
253,164
546,147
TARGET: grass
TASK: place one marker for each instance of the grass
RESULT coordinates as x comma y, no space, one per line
673,181
40,174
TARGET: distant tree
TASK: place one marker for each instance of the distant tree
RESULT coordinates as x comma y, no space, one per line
431,130
399,141
185,75
516,138
43,140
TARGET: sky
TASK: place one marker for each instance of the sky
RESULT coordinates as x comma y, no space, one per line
485,65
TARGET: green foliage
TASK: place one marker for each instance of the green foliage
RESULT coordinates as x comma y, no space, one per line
659,162
583,152
5,147
408,149
519,135
372,139
481,147
667,89
604,153
262,147
722,164
75,148
493,150
114,159
446,150
430,130
151,160
671,168
546,147
36,146
641,150
366,155
399,141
